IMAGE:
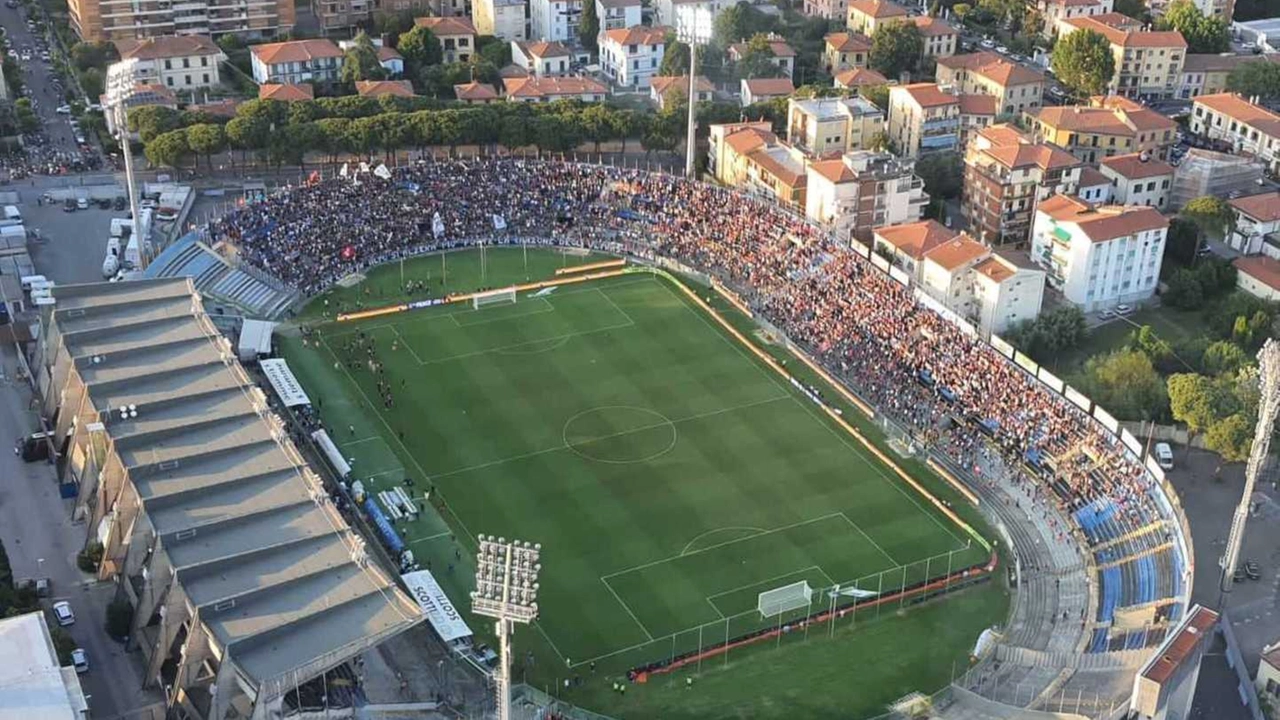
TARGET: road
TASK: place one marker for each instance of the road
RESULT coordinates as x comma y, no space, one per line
39,76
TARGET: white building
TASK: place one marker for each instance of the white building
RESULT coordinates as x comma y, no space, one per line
1138,179
1099,257
35,685
863,190
1094,186
503,19
1260,275
178,62
1251,129
554,20
297,61
1005,293
541,59
618,14
630,57
1257,227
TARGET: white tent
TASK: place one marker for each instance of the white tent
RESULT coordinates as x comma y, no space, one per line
255,339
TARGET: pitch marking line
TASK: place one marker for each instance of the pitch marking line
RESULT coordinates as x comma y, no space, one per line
611,302
716,530
429,538
627,607
405,342
874,544
361,440
775,578
547,308
513,346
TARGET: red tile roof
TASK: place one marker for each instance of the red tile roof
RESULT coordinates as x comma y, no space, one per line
834,170
1129,38
778,47
956,252
1104,223
295,51
1091,178
975,104
167,46
1134,167
1265,270
378,88
387,52
1194,630
878,9
916,239
993,67
638,35
1042,155
1264,207
769,87
286,92
446,25
932,26
663,84
1112,120
534,87
848,42
1237,108
860,77
995,268
927,94
544,49
475,91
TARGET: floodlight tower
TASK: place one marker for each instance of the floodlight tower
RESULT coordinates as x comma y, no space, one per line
506,590
695,30
1268,407
119,88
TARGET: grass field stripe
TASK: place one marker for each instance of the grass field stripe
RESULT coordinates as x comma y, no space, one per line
627,607
407,346
699,551
874,544
547,637
566,336
544,451
716,530
392,433
611,302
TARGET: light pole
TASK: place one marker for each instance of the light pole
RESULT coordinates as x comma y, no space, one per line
119,86
694,30
506,590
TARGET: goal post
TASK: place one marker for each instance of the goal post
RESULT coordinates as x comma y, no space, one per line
501,296
774,602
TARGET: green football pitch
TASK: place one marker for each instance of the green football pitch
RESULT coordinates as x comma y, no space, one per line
669,475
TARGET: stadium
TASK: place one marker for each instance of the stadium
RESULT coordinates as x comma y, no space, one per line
751,452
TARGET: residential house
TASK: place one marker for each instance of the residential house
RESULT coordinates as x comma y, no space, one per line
1257,224
1094,186
922,117
1054,11
991,291
1259,275
1139,179
1099,256
906,245
821,126
618,14
1006,175
390,60
630,56
667,89
548,89
1248,128
760,89
554,20
540,58
296,61
829,9
750,157
976,112
380,88
864,16
940,39
783,57
858,78
1108,126
503,19
476,93
845,51
287,92
457,36
107,21
1015,87
1207,74
863,190
179,62
1148,62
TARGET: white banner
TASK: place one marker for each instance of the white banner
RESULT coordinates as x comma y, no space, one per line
1051,380
1077,397
499,223
448,624
999,343
1107,419
284,383
382,172
437,226
1132,442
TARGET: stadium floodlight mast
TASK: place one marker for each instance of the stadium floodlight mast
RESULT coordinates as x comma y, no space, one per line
693,27
506,590
119,87
1268,408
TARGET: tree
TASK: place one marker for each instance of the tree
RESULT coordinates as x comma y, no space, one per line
675,59
393,25
1050,334
85,55
896,48
119,618
1127,385
1232,437
597,124
93,82
247,133
206,139
1153,346
360,62
738,22
1203,34
589,26
1181,244
1136,9
1223,357
1084,63
942,173
877,94
757,61
1184,290
1259,78
169,149
494,51
420,48
1195,400
960,10
1212,215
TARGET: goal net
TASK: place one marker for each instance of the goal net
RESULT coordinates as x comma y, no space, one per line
788,597
500,296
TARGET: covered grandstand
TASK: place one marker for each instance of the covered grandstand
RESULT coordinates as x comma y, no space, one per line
245,579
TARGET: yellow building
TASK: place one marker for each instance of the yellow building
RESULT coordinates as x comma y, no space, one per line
940,39
1015,87
1107,126
922,118
822,126
1148,63
750,157
865,16
845,51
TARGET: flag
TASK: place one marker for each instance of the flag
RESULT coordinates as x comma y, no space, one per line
343,172
499,223
437,225
314,177
364,167
348,252
383,172
850,592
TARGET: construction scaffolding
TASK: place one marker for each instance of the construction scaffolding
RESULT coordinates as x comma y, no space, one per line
1205,172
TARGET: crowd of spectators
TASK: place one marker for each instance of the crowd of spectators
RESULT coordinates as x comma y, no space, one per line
956,393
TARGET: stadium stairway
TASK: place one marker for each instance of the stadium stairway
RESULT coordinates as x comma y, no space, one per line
241,290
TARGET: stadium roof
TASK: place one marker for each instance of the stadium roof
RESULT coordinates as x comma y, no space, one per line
32,685
276,573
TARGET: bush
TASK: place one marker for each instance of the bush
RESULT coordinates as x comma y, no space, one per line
119,618
90,558
62,642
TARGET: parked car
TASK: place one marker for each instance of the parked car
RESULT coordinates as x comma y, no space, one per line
82,203
1106,314
1123,310
62,611
1164,455
80,659
69,205
1252,570
120,203
63,110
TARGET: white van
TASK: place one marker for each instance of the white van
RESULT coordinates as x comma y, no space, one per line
11,213
28,279
1164,455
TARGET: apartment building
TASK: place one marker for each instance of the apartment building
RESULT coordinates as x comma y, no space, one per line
760,89
845,51
1015,87
1139,179
986,289
1247,127
1207,74
503,19
178,62
750,157
1006,175
822,126
664,90
1107,126
457,36
1148,62
549,89
922,117
1094,186
540,58
297,61
864,16
1054,11
1257,226
618,14
863,190
858,78
940,39
111,20
1099,256
630,57
338,17
783,56
554,20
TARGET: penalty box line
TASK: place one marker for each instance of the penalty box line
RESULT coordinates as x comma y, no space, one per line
775,578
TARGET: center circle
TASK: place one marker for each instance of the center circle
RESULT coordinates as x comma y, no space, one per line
620,434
